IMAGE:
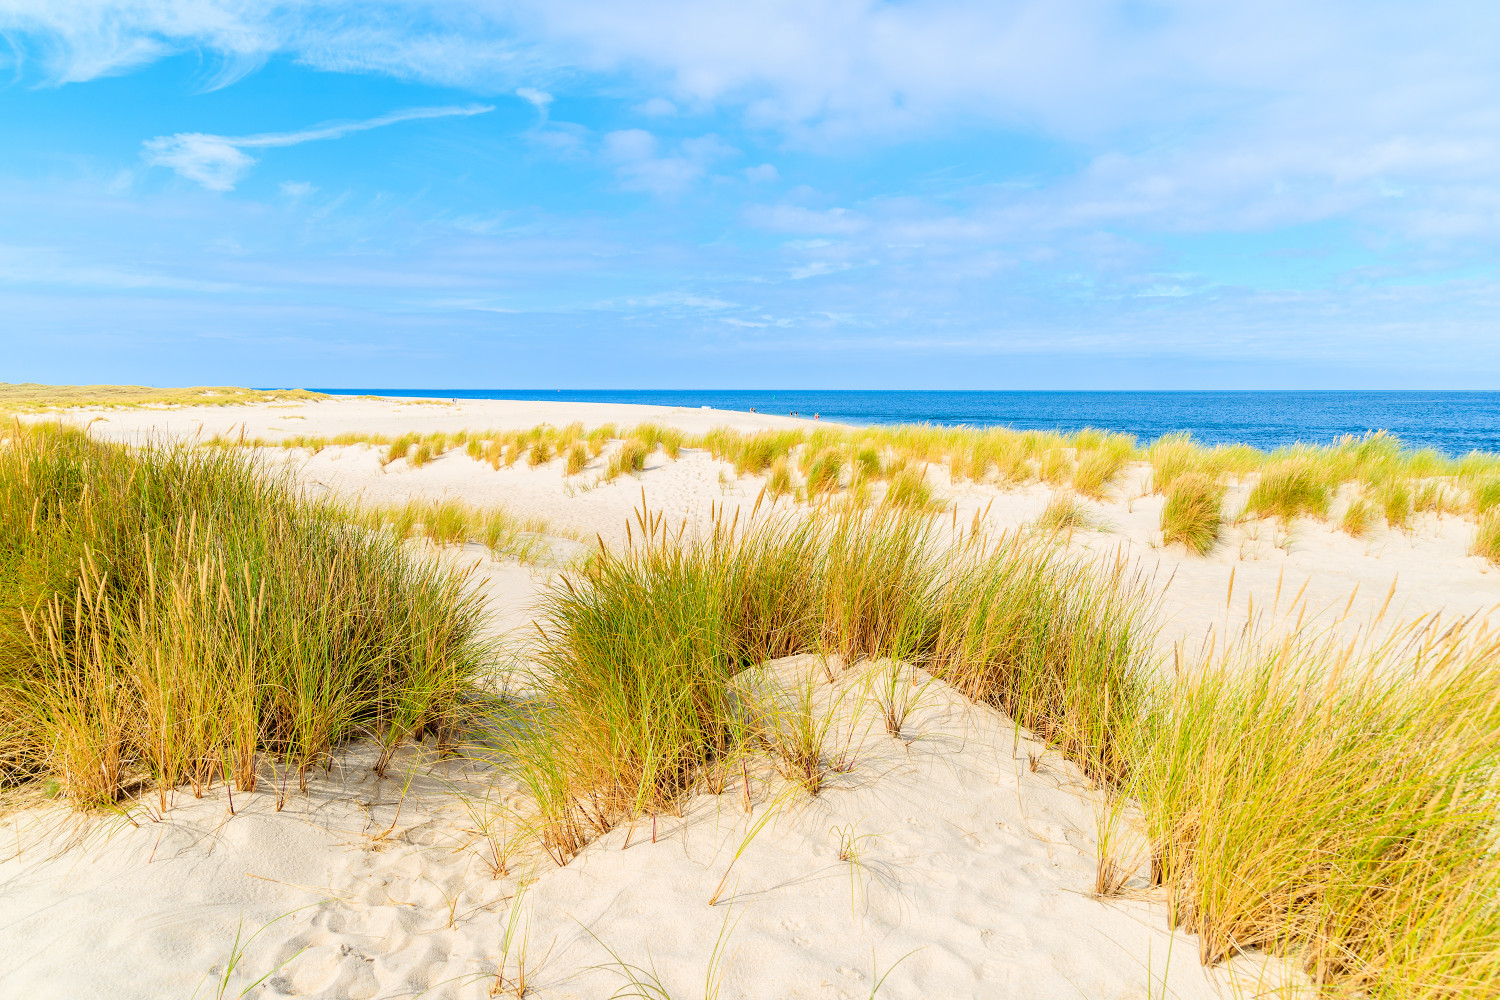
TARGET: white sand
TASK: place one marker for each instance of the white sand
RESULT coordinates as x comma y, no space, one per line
975,875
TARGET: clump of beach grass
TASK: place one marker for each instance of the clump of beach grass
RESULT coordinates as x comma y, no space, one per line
779,478
1484,494
1291,488
1064,513
1097,470
172,616
1358,518
578,459
823,472
450,521
1486,543
1194,511
909,489
1333,801
638,652
630,457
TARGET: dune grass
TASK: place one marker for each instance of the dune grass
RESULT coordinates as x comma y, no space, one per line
1324,800
453,522
170,616
1285,484
1486,543
639,654
1194,511
32,397
1064,513
1289,489
1358,518
630,458
1334,802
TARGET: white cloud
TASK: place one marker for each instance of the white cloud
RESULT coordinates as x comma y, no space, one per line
629,145
657,107
219,162
297,189
763,173
633,152
539,99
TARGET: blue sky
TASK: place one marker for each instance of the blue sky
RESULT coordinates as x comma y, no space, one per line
819,193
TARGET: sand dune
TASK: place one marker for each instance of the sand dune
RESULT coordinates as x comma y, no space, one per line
953,862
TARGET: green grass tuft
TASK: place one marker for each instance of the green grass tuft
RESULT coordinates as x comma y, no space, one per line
1487,538
1289,489
1194,512
172,616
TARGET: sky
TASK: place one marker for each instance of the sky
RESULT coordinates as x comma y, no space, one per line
1007,194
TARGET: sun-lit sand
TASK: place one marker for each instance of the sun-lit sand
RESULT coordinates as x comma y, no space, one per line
957,861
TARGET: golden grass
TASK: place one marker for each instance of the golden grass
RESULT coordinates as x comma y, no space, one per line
639,653
1194,511
1324,800
1358,518
1334,801
32,397
629,457
171,616
1292,482
454,522
1288,489
1486,542
1064,513
578,459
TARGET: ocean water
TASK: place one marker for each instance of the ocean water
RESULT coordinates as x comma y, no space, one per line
1451,422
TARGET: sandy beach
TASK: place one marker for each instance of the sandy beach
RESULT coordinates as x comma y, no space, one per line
957,860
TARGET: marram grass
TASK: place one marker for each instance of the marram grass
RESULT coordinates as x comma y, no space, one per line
812,464
1194,512
171,616
1329,803
1334,802
638,654
33,397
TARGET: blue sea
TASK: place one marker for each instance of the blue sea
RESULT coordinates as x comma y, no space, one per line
1451,422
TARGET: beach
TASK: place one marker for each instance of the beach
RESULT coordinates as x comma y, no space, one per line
954,855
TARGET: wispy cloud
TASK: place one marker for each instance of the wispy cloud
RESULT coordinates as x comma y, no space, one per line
219,162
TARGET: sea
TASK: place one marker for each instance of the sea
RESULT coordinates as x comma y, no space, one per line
1451,422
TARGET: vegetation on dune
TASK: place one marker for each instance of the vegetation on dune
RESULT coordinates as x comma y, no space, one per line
1358,518
640,652
1487,537
1194,511
1334,802
1285,484
30,397
1064,513
1331,803
453,522
171,616
630,457
1289,489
